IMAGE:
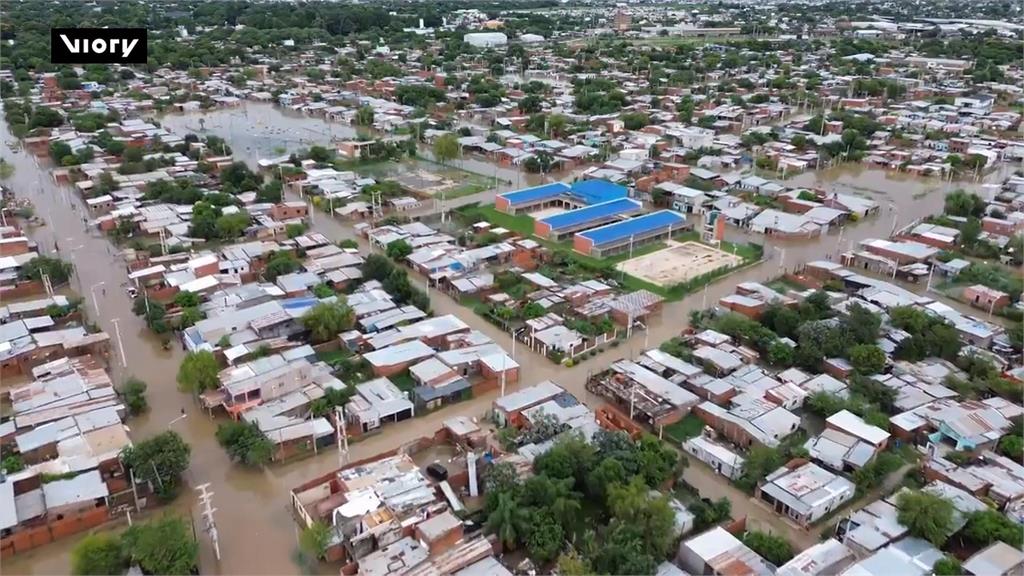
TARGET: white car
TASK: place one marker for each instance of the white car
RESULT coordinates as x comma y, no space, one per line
132,292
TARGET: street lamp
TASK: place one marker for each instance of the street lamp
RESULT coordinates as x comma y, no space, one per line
182,417
95,302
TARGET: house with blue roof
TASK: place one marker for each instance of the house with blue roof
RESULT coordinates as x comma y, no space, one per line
625,235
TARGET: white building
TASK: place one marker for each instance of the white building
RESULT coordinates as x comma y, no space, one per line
805,494
721,459
485,39
716,551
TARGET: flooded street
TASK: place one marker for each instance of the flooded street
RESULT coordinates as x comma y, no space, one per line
257,533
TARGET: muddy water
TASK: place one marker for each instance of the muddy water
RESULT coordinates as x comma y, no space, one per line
257,533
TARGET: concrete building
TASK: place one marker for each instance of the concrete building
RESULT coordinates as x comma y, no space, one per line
719,552
805,493
485,39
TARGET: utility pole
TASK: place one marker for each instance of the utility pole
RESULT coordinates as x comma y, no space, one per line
206,499
341,432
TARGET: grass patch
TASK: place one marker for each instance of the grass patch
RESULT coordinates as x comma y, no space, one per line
333,357
688,427
404,381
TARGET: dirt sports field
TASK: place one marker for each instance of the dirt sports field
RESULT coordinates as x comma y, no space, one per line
677,263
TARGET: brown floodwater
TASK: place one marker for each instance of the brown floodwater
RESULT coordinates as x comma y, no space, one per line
258,535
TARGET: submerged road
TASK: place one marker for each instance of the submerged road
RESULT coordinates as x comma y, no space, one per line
258,535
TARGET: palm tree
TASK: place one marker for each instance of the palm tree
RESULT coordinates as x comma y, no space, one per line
508,520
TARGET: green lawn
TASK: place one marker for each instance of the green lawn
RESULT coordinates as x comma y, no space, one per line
332,357
404,381
688,427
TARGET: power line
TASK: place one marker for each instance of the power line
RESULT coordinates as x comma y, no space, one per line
210,527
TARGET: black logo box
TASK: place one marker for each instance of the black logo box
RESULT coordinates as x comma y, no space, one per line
112,42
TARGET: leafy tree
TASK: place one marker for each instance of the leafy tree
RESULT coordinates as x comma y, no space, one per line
332,397
926,515
781,354
198,372
761,461
446,148
947,566
162,546
315,539
1012,446
623,551
867,358
398,250
204,220
98,554
769,546
58,270
271,192
633,505
987,526
364,116
862,324
279,264
12,463
961,203
710,514
328,319
186,299
231,226
295,229
135,396
508,520
160,460
545,539
245,443
573,564
189,317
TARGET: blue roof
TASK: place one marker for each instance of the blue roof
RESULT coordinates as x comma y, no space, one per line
597,191
639,225
591,213
300,302
536,193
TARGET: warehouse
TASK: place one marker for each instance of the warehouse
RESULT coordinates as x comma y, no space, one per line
564,225
559,195
630,234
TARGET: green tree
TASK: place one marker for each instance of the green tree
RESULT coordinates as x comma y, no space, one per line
770,547
279,264
58,270
98,554
328,319
162,546
231,226
245,443
315,539
295,229
761,461
573,564
867,359
135,396
198,372
781,354
926,515
364,116
862,324
508,520
987,526
160,460
947,566
446,148
545,539
961,203
12,463
186,299
398,250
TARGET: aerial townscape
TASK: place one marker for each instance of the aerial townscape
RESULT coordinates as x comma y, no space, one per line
476,288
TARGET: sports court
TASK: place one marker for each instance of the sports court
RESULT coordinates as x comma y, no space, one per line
677,263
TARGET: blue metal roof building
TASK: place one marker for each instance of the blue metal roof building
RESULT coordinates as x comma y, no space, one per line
565,224
582,193
617,237
596,191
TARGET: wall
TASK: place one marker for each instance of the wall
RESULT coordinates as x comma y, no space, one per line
34,537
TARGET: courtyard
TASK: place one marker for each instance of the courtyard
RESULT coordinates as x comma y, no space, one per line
677,263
